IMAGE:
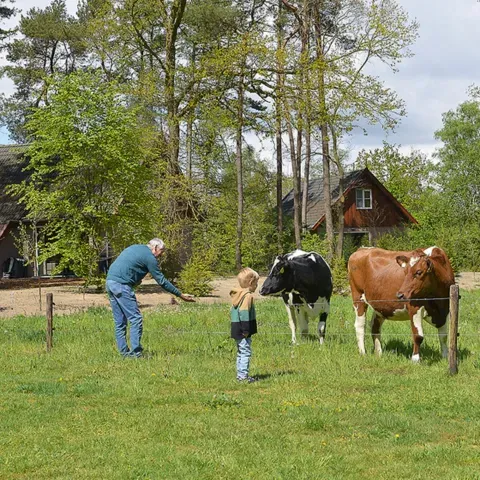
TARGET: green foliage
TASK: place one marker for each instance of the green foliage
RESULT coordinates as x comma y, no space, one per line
459,244
90,173
404,176
459,159
196,276
50,42
312,242
219,229
340,276
449,214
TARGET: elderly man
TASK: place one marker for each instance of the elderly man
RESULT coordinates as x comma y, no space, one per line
126,272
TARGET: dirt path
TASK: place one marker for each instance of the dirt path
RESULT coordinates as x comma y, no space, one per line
69,296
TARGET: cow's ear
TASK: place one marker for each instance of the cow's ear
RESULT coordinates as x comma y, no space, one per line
429,265
438,256
402,260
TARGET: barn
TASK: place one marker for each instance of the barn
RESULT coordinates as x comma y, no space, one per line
369,209
13,214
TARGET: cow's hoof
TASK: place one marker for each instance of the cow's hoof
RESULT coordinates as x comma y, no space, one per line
416,358
321,341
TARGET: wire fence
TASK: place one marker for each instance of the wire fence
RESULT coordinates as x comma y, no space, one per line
268,326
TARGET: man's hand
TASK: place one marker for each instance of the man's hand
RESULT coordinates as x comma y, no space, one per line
187,298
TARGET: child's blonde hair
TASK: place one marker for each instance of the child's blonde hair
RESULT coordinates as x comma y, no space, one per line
246,276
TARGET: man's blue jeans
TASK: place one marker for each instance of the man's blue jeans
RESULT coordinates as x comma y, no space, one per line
244,352
125,310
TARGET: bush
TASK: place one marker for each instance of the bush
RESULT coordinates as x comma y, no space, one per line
311,242
340,276
196,276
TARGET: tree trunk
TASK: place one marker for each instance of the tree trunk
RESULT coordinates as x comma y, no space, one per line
341,202
239,164
173,123
306,168
189,141
305,82
325,138
296,186
278,129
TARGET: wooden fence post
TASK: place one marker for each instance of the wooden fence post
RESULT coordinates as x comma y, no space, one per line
49,321
453,334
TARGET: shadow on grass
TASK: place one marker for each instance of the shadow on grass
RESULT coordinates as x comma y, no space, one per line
428,353
281,373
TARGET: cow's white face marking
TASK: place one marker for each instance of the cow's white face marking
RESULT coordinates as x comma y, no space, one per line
273,266
428,251
413,261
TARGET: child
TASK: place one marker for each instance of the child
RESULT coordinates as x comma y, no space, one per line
244,322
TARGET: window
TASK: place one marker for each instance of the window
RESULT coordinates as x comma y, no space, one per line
364,198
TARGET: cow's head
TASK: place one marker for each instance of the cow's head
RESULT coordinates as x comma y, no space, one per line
280,278
420,280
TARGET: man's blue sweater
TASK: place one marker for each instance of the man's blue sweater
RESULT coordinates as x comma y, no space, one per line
133,264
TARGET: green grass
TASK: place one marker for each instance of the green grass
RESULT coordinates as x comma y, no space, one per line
317,412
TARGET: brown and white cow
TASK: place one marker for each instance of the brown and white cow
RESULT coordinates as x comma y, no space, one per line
390,281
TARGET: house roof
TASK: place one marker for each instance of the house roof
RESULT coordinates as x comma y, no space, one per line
316,202
12,163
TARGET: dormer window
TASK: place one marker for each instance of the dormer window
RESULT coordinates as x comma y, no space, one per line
363,198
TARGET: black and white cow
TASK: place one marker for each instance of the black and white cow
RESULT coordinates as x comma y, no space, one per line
304,281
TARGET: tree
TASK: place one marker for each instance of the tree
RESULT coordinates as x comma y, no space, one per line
50,43
459,158
335,41
91,178
5,13
406,177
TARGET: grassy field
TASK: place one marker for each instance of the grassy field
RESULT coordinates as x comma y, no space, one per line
316,413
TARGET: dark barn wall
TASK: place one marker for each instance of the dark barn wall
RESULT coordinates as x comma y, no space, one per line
8,249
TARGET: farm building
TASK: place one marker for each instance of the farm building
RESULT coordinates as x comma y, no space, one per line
368,207
12,215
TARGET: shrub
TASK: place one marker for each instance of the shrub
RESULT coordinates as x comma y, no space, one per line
196,276
311,242
340,276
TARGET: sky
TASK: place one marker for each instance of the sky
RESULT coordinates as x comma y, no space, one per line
435,80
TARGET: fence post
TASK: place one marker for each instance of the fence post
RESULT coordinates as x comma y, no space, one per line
49,321
453,334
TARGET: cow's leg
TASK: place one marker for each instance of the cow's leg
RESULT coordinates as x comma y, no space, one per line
292,321
322,324
360,313
302,320
376,326
417,332
442,338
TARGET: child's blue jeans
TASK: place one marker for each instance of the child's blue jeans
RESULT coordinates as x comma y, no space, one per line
125,310
244,352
